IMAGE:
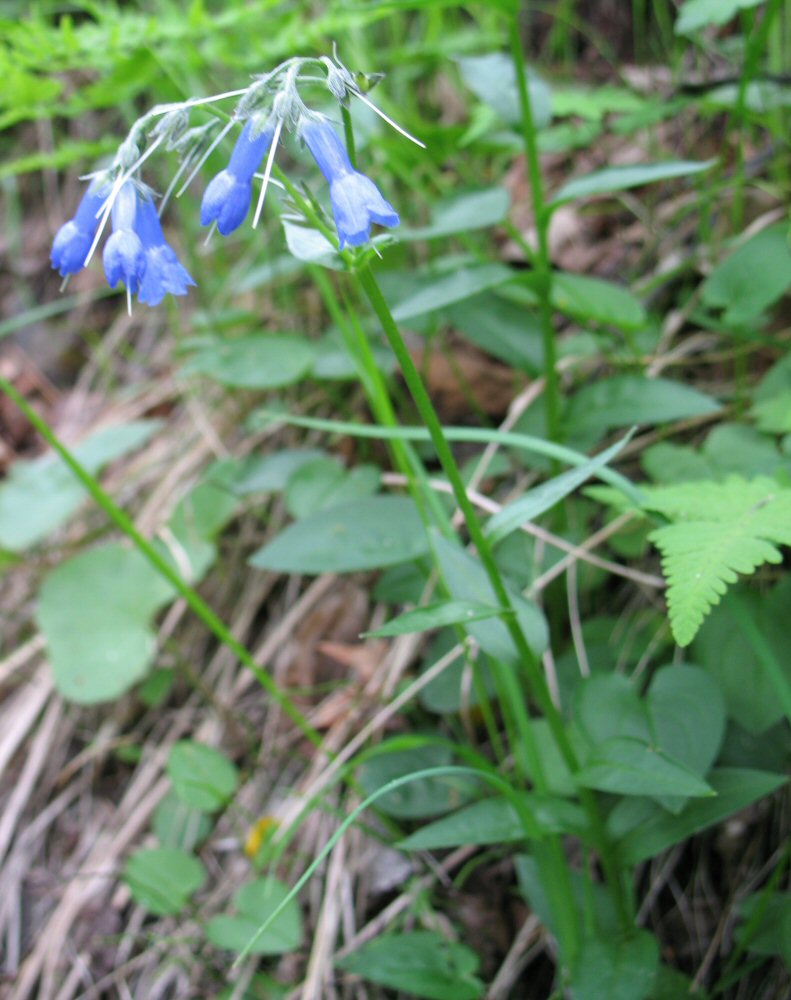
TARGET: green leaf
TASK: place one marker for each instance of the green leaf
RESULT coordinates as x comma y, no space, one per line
687,712
178,825
462,214
613,179
94,611
607,706
645,829
254,903
311,246
434,616
628,766
771,933
496,821
256,361
752,278
325,483
544,497
421,964
366,534
492,78
597,301
502,328
461,284
633,399
162,879
271,473
616,969
416,799
721,529
39,495
697,14
466,580
729,656
202,777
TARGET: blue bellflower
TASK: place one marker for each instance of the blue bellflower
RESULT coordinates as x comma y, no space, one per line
227,198
124,257
74,238
163,272
356,200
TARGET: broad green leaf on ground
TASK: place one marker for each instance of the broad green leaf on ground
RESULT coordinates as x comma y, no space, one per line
39,495
332,361
434,616
728,653
633,399
752,278
421,964
496,821
466,580
594,103
429,796
365,534
696,14
720,530
461,214
607,706
507,330
687,712
202,777
178,825
455,287
729,448
616,968
644,829
162,879
593,300
492,78
255,361
628,766
271,473
612,179
544,497
253,903
325,483
95,611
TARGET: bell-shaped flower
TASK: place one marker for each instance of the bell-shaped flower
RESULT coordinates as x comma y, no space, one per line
124,257
163,273
227,198
74,238
356,200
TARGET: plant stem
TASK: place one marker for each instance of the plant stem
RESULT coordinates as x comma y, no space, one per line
160,563
542,262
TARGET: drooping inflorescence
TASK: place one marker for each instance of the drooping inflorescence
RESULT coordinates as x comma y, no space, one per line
137,254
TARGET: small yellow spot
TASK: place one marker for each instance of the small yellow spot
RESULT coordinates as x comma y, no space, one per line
259,832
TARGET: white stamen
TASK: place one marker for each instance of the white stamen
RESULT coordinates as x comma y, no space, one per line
390,122
218,139
64,282
129,300
103,213
210,233
269,162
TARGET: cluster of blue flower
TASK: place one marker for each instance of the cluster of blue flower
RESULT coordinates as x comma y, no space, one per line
137,253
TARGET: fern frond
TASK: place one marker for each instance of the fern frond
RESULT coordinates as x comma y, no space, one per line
721,529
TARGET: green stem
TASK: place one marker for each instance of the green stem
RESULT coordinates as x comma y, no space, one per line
160,564
542,262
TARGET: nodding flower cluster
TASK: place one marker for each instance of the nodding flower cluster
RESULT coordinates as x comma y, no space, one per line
137,253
